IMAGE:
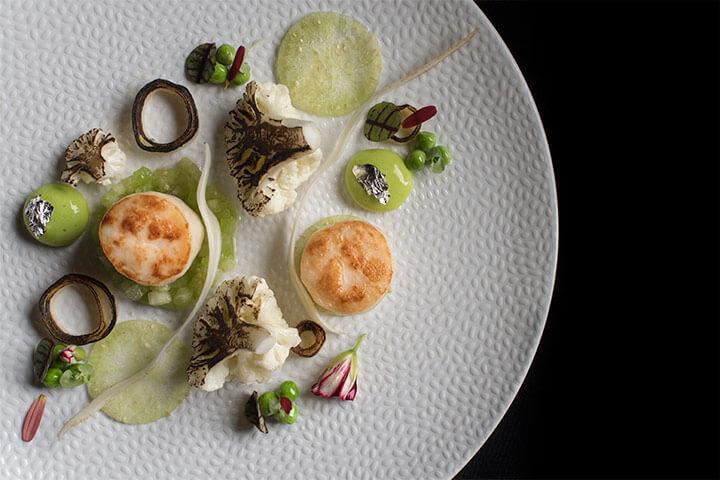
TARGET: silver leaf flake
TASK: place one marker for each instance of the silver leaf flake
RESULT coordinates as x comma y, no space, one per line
38,213
373,181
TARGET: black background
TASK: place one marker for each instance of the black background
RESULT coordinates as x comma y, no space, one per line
625,381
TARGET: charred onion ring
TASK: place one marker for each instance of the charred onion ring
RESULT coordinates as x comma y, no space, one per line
145,142
107,310
317,331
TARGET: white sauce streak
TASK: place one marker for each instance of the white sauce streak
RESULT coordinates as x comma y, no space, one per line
352,124
212,230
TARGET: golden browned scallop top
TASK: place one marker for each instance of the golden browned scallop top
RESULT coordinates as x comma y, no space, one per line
347,267
151,238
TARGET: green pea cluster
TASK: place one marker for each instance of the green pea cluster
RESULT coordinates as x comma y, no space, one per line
224,56
428,153
281,404
67,370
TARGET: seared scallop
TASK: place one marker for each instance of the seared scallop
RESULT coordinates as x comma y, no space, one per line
347,267
151,238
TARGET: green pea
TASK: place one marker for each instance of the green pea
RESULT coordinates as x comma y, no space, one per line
425,141
225,54
64,214
288,418
415,160
269,403
219,74
243,75
57,349
439,158
52,377
80,354
57,363
289,389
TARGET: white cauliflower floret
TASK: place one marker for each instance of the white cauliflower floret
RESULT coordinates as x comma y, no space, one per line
249,367
270,150
114,165
273,99
281,183
216,376
241,334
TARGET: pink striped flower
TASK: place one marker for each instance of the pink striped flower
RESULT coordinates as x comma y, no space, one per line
340,378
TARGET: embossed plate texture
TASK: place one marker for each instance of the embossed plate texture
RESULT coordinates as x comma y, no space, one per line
475,248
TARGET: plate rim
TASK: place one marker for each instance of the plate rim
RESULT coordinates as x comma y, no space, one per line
525,88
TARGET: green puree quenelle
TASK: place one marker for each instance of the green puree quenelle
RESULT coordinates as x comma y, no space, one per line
399,179
66,209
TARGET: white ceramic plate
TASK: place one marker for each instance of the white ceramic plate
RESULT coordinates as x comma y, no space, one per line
475,248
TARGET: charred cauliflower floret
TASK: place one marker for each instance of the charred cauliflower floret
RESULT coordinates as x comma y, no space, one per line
240,334
269,151
94,157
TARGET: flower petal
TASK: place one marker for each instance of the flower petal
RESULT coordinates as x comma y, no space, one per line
332,379
33,418
351,394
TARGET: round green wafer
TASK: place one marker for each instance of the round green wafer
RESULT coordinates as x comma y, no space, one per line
130,347
330,62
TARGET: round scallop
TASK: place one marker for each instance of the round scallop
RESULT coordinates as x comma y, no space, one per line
151,238
347,267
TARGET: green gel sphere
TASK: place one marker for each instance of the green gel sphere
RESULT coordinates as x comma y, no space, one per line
397,175
69,215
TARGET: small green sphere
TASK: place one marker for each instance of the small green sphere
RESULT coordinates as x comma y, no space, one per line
68,218
225,54
57,363
219,74
58,348
397,176
243,75
289,389
415,160
269,403
52,377
439,157
425,141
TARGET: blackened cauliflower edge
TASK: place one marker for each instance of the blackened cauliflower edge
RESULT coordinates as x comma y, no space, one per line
255,143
